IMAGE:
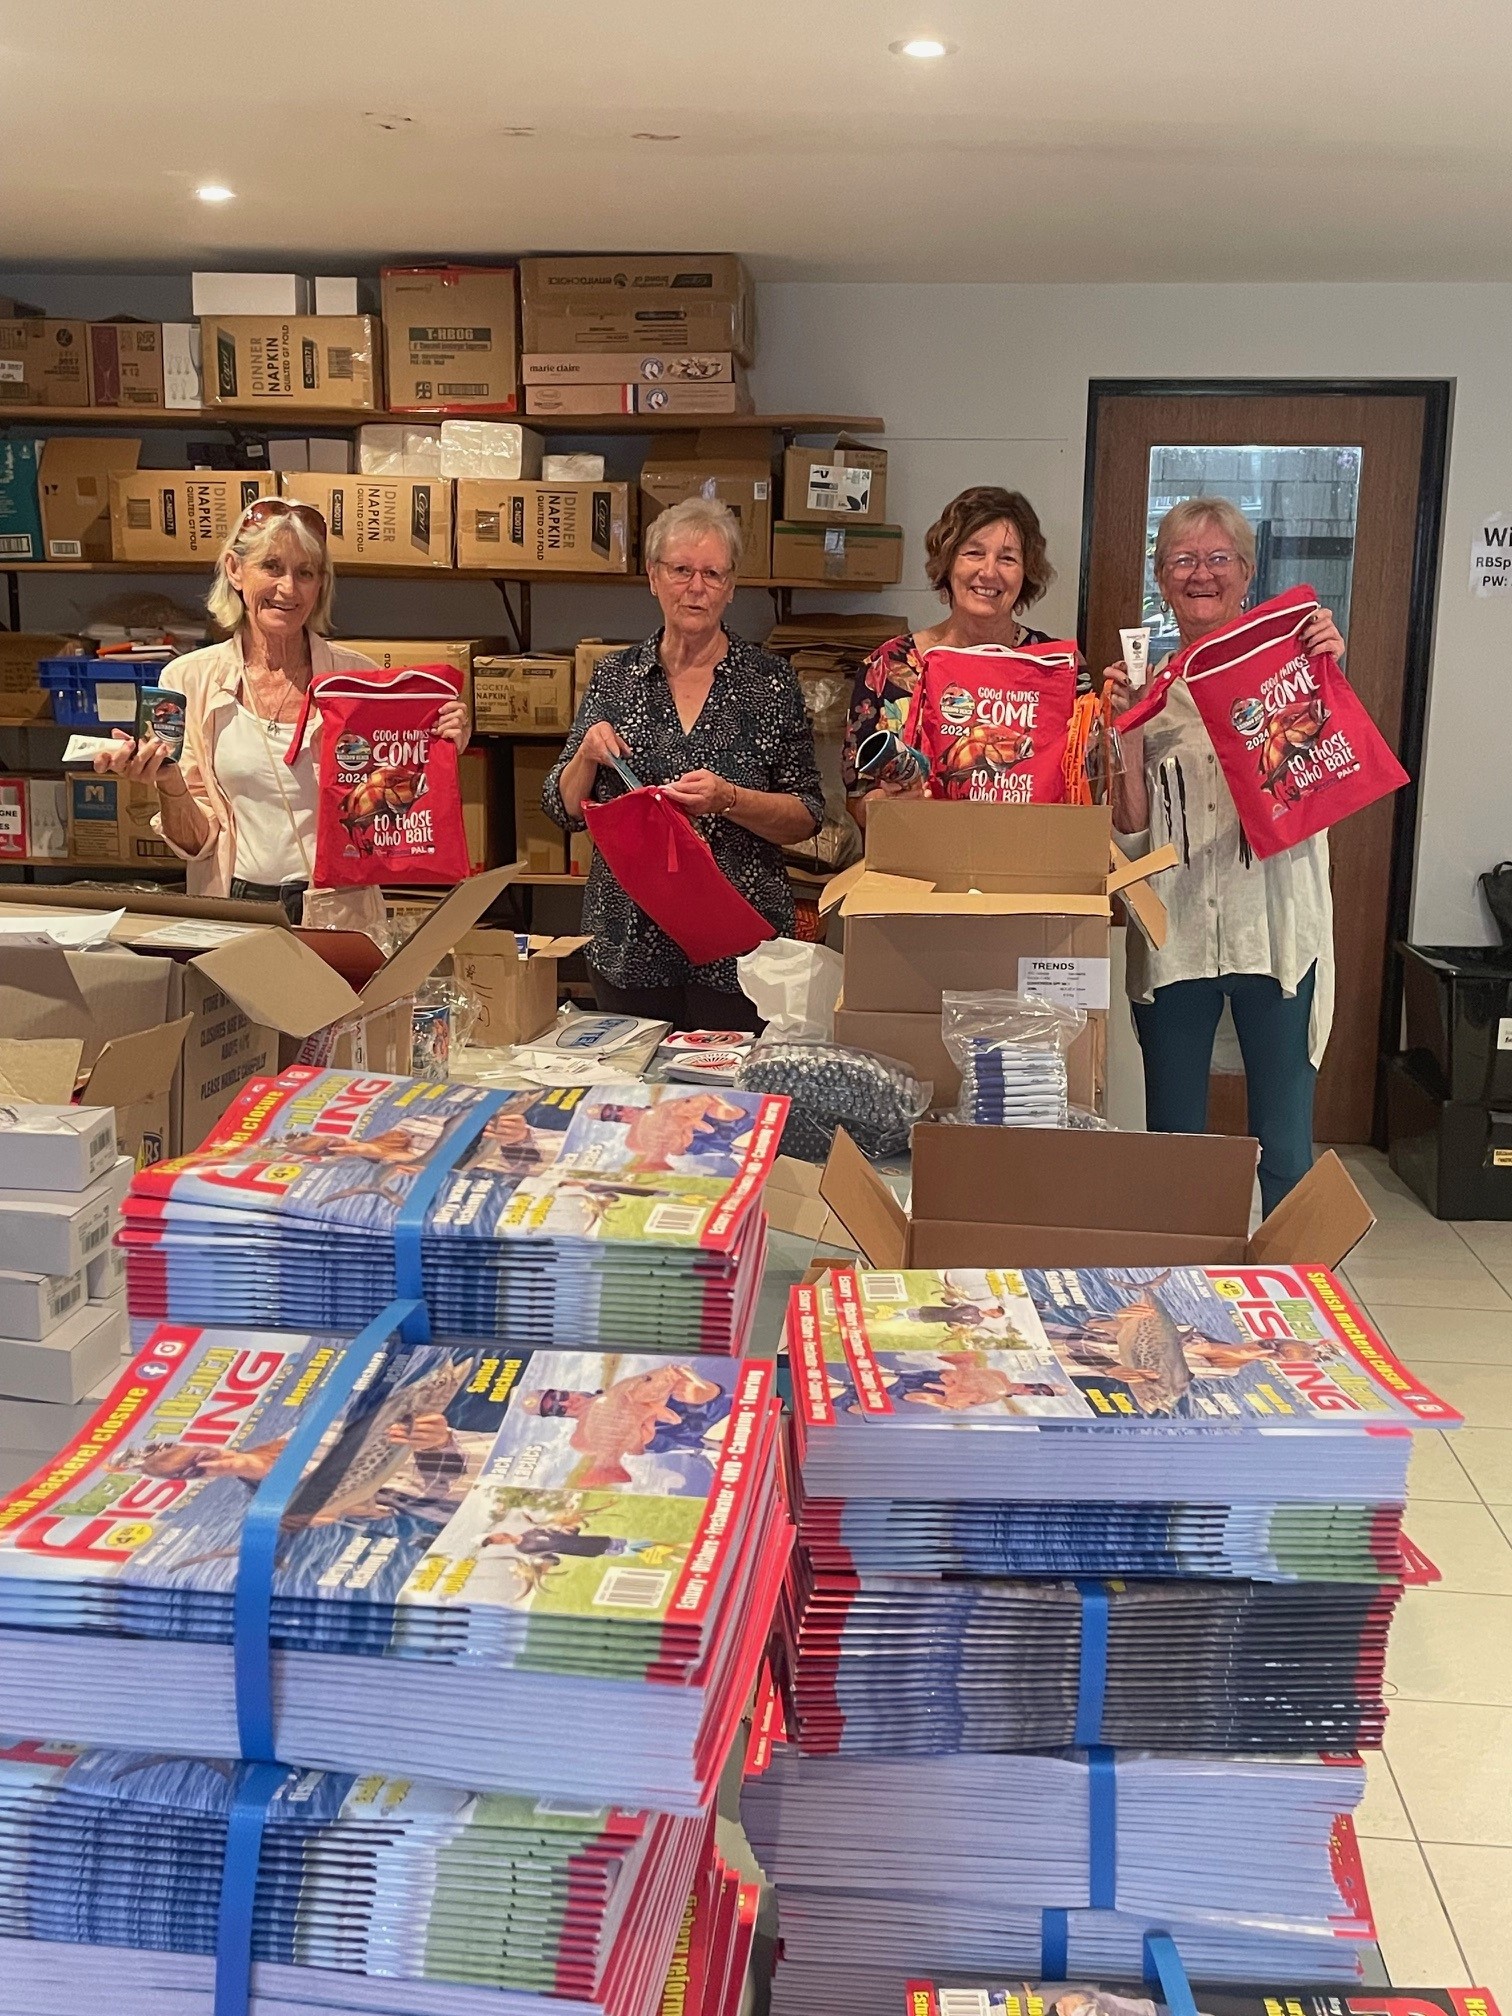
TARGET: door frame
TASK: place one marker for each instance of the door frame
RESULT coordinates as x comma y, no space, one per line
1437,395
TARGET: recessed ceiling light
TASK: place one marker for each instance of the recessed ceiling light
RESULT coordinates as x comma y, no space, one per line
923,47
214,192
656,136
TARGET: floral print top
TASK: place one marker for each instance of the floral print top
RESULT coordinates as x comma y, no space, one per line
884,687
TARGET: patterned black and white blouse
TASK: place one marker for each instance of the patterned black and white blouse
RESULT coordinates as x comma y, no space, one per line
755,731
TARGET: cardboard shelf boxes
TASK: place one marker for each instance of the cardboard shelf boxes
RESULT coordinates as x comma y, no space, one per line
733,467
380,521
574,528
171,514
450,339
287,361
523,695
44,363
956,897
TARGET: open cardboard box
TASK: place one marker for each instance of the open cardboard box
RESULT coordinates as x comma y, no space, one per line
259,995
954,896
132,1073
1050,1197
517,990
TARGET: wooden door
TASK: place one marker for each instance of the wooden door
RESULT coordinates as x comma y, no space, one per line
1385,632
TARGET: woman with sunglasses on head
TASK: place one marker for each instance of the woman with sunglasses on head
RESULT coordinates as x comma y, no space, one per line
1258,934
722,726
230,805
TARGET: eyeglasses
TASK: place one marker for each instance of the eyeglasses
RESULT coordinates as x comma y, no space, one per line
683,577
267,510
1215,563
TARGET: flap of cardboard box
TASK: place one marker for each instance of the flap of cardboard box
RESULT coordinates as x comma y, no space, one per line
957,845
277,980
40,1070
1320,1223
425,948
794,1204
891,895
864,1204
559,948
131,1068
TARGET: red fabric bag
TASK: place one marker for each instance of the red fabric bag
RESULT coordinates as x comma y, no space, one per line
993,722
390,791
1292,737
663,863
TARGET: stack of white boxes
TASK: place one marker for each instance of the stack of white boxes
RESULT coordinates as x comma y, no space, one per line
63,1323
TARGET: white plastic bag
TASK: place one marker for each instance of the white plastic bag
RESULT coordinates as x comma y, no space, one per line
1010,1050
794,987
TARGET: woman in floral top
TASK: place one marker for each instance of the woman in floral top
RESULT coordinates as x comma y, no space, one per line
986,556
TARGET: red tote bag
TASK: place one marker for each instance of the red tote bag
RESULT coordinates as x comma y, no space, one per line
994,722
390,807
1292,737
663,863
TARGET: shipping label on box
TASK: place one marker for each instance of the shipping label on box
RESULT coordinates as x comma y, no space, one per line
165,514
848,480
451,338
579,528
527,695
380,521
126,364
295,360
44,363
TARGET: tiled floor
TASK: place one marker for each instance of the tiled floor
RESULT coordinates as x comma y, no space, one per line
1436,1827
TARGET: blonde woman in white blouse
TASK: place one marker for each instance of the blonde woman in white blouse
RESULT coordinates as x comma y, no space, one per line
1258,934
231,807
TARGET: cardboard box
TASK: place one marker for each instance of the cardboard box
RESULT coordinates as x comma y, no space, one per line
870,555
47,818
167,514
1068,1197
451,337
846,481
670,301
585,662
33,1305
249,294
734,467
628,367
384,450
547,400
501,450
286,361
55,1145
380,521
539,842
56,1231
20,505
183,360
131,1072
579,853
73,489
105,1276
574,528
44,363
519,994
480,820
329,455
71,1360
126,364
530,695
733,397
110,819
22,695
15,839
335,294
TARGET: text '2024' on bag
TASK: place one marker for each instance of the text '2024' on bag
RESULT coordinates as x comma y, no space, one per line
664,864
390,792
993,722
1296,746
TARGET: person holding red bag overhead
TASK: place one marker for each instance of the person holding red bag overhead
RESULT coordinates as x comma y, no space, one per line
1257,933
721,728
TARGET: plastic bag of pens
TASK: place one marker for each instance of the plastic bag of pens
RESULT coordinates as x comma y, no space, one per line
445,1015
1011,1052
875,1099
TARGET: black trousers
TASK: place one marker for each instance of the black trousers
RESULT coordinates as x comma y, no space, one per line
688,1007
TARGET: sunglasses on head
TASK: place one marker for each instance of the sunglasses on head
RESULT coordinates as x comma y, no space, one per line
268,510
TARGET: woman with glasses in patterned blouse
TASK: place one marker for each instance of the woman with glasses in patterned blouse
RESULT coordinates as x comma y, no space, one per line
722,726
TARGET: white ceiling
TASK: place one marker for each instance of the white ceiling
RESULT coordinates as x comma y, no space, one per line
1105,139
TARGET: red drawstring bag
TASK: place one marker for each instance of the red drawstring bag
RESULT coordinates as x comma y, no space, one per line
993,722
663,863
1292,737
390,793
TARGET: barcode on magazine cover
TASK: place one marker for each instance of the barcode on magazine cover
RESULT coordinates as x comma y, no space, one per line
963,2002
884,1288
681,1220
338,363
633,1588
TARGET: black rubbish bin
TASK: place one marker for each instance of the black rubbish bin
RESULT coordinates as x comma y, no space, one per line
1456,1155
1458,1000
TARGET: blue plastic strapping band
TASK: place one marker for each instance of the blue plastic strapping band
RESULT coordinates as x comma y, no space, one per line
252,1611
1163,1968
409,1226
1092,1680
1055,1941
238,1892
1102,1829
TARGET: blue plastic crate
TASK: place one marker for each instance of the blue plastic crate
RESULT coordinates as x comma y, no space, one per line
96,692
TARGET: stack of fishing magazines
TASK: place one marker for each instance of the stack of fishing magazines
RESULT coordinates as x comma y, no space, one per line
1077,1998
372,1895
532,1573
627,1214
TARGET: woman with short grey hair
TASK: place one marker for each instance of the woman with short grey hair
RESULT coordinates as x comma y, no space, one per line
229,805
1257,934
722,726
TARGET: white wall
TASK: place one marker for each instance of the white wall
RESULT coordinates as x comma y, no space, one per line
989,384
